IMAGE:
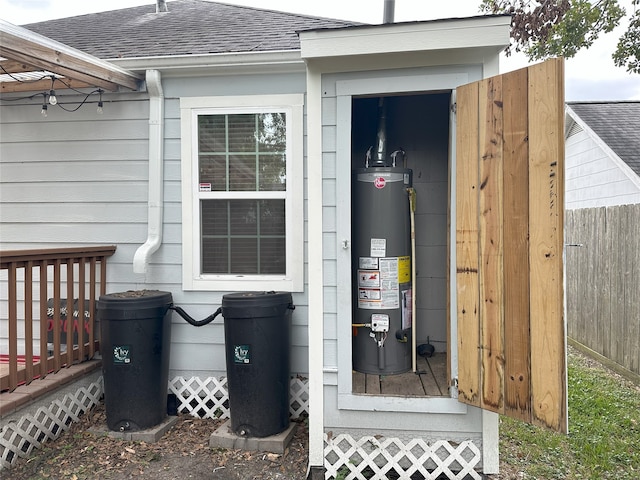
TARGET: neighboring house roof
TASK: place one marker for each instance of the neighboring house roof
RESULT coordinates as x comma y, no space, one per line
190,27
617,124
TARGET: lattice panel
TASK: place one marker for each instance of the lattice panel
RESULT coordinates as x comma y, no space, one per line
209,397
206,398
18,439
371,458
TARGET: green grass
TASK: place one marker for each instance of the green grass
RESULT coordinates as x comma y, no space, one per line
604,431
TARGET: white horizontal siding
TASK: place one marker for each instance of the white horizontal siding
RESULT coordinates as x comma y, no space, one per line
593,178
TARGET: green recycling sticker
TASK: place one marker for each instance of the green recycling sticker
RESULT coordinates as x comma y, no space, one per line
121,354
242,354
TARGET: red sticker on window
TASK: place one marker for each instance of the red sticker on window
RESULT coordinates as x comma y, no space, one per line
380,182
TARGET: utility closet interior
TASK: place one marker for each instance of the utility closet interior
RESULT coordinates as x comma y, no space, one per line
400,151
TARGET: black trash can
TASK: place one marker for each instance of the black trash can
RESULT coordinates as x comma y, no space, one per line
135,337
257,340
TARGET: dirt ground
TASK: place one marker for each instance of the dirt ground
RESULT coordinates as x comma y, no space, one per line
182,453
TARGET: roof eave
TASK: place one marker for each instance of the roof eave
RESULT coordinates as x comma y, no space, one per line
285,60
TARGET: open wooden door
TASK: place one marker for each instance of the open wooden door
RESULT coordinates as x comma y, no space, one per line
509,244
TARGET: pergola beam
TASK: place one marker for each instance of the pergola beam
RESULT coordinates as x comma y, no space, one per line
42,85
20,45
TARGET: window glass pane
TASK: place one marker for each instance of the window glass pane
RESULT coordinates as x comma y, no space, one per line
244,217
272,136
213,170
242,173
273,258
215,255
244,256
242,133
272,217
245,236
272,173
214,217
211,134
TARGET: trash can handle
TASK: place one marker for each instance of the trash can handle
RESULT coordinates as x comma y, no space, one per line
195,323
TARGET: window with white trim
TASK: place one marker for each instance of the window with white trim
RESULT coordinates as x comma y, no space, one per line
242,192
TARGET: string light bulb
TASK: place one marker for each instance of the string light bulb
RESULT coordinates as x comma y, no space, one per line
53,100
99,109
43,112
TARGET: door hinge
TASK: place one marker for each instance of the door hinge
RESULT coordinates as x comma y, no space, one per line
453,388
454,107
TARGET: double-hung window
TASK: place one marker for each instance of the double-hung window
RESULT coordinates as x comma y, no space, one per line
242,192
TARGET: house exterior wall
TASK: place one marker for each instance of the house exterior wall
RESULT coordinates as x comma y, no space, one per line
75,179
595,177
81,178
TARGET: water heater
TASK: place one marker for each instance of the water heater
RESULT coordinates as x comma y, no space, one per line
382,290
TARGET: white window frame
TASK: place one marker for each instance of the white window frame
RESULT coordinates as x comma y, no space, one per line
192,277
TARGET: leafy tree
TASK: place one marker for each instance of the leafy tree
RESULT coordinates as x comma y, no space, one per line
546,28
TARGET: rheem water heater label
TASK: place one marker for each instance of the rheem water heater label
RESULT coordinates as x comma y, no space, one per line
378,247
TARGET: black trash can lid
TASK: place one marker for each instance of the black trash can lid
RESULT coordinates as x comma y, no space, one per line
138,298
256,299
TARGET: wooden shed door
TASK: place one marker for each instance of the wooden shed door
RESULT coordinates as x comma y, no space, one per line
509,244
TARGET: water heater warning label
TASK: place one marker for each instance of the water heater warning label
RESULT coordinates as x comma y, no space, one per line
380,289
368,263
404,270
368,278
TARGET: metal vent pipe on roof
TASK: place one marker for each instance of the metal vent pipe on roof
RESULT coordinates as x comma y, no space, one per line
161,6
389,11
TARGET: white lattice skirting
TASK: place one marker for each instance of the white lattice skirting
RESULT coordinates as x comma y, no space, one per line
208,398
375,458
18,439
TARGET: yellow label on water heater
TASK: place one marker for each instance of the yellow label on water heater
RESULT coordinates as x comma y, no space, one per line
404,269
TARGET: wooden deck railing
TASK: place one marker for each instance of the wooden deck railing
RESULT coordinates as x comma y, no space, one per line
36,281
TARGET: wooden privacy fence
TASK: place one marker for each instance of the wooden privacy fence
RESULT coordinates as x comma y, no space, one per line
50,298
603,281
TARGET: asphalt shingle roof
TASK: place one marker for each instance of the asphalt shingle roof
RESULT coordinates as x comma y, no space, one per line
617,124
189,27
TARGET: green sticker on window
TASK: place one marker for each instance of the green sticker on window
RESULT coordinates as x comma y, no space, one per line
121,354
242,354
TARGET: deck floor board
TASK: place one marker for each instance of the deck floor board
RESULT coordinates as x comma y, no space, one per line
430,380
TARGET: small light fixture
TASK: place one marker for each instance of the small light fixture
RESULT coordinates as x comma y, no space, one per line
43,112
52,93
99,109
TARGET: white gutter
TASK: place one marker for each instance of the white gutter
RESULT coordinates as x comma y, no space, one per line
280,59
156,173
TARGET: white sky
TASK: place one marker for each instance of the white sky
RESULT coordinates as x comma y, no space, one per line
591,75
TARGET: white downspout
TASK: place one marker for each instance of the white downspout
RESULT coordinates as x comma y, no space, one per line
156,173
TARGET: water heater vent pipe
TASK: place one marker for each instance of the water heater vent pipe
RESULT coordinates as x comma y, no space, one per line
389,11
